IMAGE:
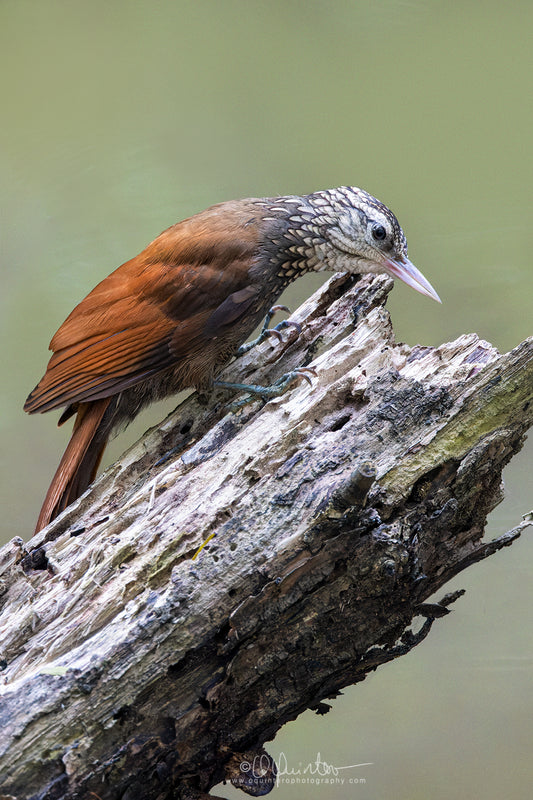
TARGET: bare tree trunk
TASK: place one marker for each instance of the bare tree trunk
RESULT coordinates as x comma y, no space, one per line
139,664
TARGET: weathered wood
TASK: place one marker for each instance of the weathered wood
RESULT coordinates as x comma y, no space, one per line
137,665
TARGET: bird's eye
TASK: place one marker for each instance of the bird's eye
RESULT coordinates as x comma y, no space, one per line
379,233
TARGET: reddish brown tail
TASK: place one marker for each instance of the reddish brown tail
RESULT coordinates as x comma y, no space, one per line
80,460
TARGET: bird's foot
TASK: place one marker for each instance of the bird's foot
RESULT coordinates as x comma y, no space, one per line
266,332
268,392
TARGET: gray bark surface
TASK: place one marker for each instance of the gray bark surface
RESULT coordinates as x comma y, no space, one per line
138,664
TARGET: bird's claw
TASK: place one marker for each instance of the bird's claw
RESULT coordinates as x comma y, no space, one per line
273,310
266,332
288,323
305,373
282,383
268,392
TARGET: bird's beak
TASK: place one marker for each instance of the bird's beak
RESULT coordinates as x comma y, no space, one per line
403,269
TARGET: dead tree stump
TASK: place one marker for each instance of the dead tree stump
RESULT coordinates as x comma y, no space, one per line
138,664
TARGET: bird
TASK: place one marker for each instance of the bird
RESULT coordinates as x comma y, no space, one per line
173,316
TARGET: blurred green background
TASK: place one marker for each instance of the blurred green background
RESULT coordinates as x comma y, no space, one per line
120,118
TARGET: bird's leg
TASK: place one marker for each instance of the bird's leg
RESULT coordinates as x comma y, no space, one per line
266,331
276,389
267,392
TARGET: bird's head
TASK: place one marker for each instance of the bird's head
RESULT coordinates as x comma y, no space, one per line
363,235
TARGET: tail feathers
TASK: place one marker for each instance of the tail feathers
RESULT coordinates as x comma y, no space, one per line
80,460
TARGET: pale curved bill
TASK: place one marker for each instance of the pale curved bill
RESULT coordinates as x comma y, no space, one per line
408,273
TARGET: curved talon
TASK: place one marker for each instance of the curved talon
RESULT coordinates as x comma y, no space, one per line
302,372
268,392
273,332
288,323
266,331
283,382
270,313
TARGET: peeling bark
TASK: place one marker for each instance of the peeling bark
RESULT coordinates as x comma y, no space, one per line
241,563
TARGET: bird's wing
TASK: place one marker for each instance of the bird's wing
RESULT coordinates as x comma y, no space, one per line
145,317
